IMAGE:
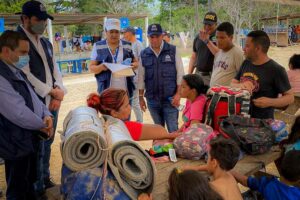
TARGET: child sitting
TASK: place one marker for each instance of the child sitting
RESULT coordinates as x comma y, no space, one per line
222,157
273,189
294,72
193,89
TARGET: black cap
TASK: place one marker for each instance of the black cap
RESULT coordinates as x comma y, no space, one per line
35,8
154,29
129,29
210,18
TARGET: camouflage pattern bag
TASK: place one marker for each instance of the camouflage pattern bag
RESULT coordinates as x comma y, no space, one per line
192,144
254,136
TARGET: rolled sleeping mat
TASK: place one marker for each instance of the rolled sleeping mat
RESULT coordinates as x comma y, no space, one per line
131,165
83,141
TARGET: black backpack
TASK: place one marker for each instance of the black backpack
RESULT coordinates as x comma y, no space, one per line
253,135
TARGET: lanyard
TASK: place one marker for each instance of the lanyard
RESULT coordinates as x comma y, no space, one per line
114,56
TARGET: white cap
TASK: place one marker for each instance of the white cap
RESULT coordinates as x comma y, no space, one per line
112,24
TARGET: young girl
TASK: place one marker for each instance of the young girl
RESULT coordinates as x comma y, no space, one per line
115,102
193,89
190,185
293,141
294,72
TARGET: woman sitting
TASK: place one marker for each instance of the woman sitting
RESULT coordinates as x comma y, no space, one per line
115,102
193,89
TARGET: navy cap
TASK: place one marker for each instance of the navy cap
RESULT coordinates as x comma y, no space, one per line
129,29
154,29
210,18
35,8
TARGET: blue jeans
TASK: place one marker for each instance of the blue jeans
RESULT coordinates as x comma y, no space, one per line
162,112
43,157
136,106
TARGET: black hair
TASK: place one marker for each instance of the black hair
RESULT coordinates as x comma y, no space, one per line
11,39
194,81
225,151
226,27
260,38
290,168
295,131
190,185
294,61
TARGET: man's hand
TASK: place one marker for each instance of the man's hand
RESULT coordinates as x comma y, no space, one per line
142,103
203,35
49,126
57,93
102,67
247,85
176,100
135,65
145,196
262,102
54,105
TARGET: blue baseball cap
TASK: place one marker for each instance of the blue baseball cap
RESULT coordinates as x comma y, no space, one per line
154,29
35,8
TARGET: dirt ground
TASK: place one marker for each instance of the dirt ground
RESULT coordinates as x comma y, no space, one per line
80,85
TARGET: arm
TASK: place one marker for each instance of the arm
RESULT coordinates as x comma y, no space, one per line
212,47
156,132
13,107
58,77
240,178
279,102
94,66
192,63
180,73
141,85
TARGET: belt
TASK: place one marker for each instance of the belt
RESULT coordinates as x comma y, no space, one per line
203,73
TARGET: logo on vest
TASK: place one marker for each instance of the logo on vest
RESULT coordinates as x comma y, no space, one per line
168,58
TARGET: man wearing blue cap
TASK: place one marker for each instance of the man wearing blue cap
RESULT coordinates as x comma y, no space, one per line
160,75
43,74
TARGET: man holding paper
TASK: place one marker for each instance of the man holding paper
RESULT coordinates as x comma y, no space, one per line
109,57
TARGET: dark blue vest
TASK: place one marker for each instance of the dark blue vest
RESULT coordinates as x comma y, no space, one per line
15,142
36,64
160,72
103,55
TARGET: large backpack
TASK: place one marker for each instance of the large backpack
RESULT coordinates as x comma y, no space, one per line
192,144
225,101
255,136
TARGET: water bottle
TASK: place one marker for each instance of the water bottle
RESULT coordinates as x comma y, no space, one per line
180,107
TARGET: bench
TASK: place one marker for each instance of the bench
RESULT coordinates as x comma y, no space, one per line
75,65
248,166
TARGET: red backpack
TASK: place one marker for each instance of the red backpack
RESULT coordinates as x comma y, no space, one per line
225,101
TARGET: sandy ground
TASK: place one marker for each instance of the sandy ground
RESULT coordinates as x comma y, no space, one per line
80,85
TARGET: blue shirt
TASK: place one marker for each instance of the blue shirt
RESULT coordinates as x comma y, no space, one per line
13,105
272,189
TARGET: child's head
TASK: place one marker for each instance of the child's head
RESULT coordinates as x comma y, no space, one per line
190,185
192,84
290,168
294,62
223,153
295,131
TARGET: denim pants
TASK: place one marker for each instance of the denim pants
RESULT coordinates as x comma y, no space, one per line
136,106
162,112
43,157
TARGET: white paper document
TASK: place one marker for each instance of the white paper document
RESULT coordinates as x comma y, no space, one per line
120,70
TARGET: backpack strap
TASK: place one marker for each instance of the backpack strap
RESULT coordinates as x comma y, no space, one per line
231,105
211,108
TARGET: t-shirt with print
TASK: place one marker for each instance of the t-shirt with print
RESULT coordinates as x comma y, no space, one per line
269,80
226,66
193,111
204,58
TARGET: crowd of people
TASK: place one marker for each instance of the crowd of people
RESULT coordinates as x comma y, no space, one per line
32,90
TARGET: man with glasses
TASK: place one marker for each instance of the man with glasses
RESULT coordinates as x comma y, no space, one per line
160,74
204,48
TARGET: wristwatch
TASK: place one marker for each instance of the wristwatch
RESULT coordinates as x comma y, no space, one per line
206,41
